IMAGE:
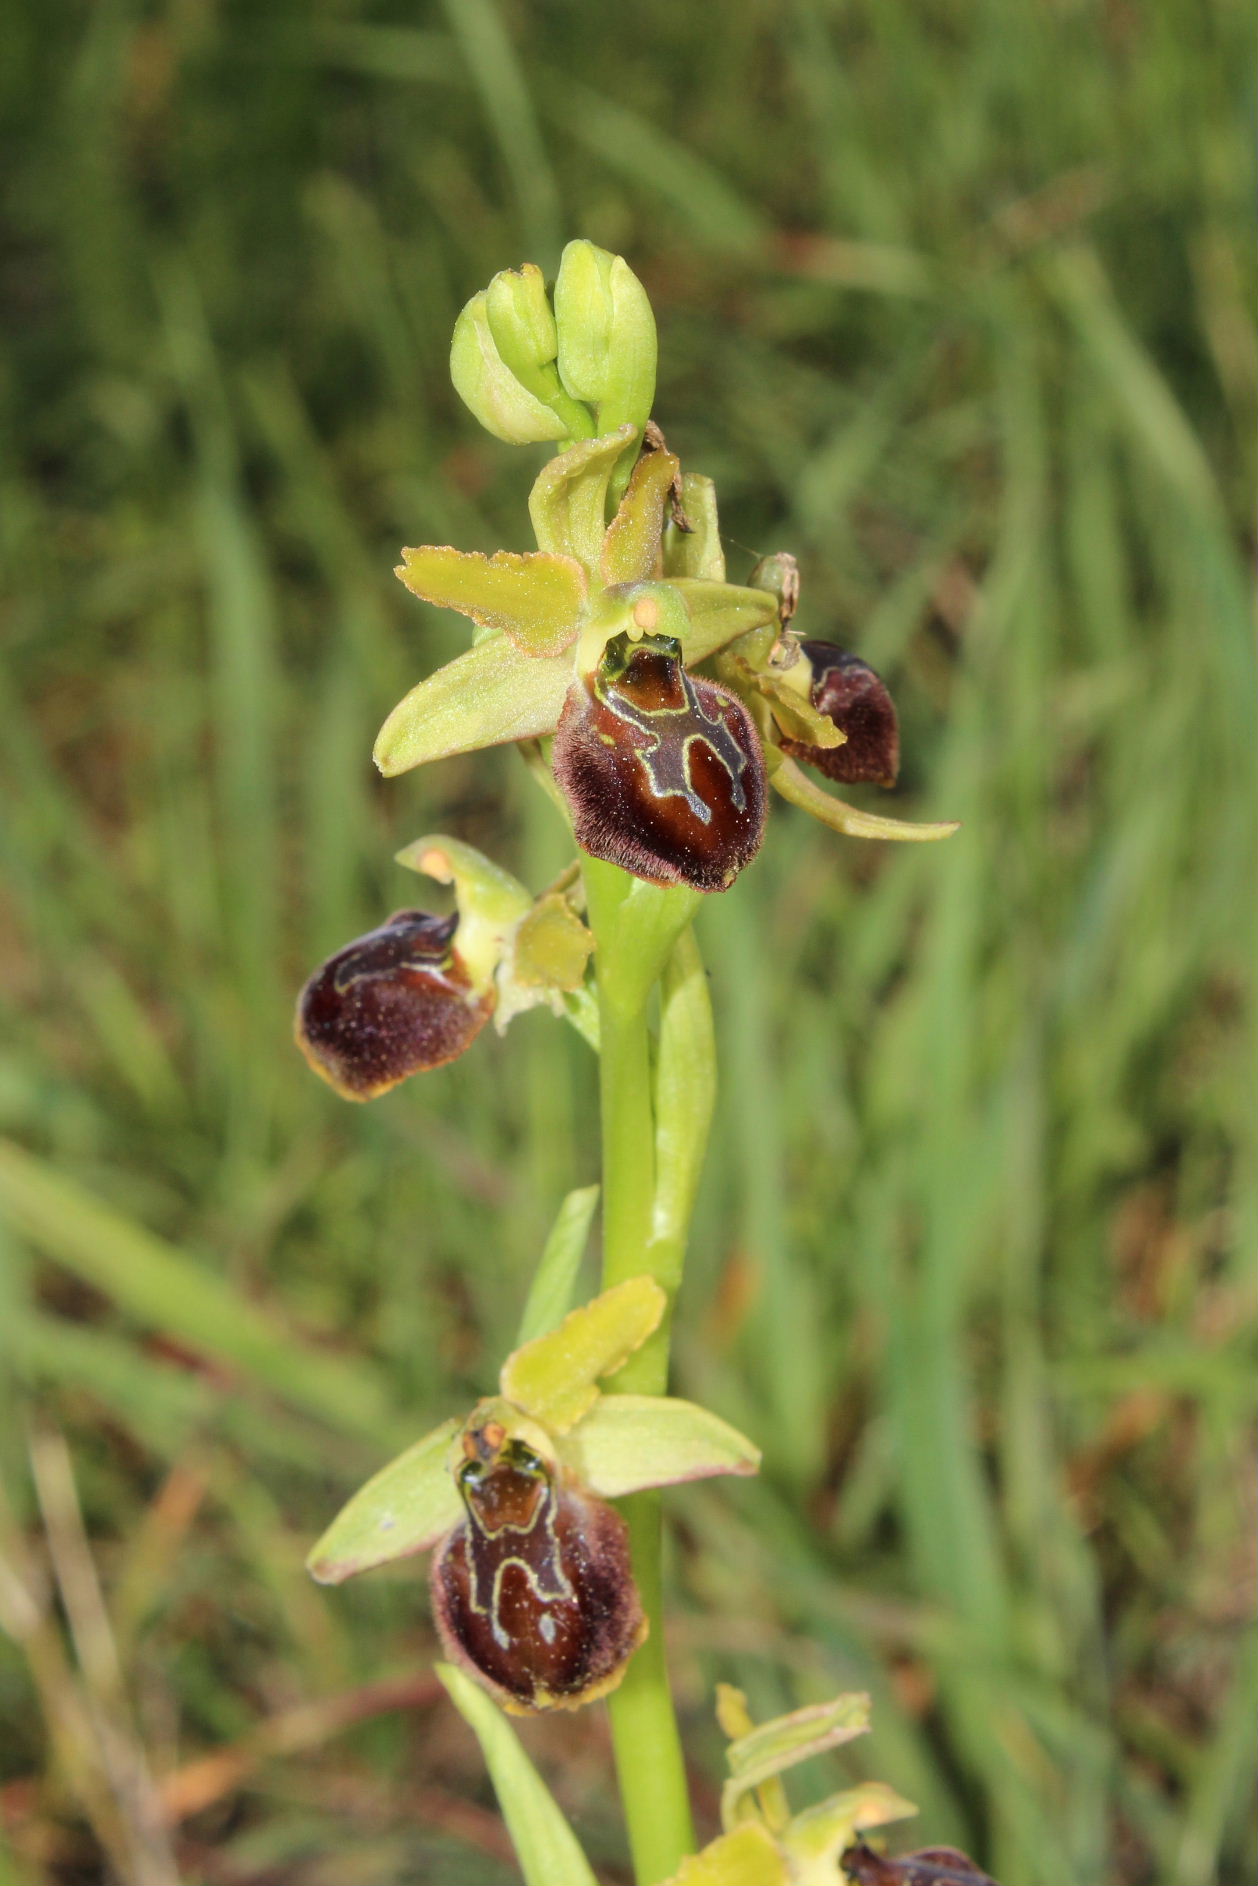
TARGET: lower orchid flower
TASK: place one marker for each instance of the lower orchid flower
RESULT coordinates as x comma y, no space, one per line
532,1588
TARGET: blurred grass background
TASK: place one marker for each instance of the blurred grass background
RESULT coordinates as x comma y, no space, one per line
956,303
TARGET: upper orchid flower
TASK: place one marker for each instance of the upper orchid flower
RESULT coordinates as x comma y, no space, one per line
596,635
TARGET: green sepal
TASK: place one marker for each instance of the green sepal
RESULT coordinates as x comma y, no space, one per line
554,1378
719,612
491,903
550,949
533,597
748,1857
568,502
403,1509
816,1837
548,1850
696,552
794,784
488,387
631,548
772,693
550,1293
772,1747
627,1442
489,695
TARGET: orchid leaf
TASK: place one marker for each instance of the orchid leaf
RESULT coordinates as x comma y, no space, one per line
488,695
747,1857
719,612
405,1508
533,597
548,1850
777,1745
568,502
794,784
551,1291
695,552
626,1442
554,1377
631,548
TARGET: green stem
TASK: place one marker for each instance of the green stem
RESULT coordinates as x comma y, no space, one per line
637,928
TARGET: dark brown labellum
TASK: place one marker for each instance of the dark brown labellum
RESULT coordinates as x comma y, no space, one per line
932,1866
847,691
663,772
390,1004
533,1590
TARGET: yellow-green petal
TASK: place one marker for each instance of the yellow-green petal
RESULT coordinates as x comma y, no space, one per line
695,552
815,1839
532,597
626,1442
554,1378
748,1857
488,695
777,1745
568,502
718,613
405,1508
794,784
631,548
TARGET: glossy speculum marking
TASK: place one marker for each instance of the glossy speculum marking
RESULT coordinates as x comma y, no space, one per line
533,1590
662,770
390,1004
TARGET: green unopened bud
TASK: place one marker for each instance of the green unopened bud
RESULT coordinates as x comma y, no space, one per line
606,335
492,388
523,329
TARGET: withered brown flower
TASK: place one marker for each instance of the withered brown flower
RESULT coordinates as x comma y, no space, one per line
390,1004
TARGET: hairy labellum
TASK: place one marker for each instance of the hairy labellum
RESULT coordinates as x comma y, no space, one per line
533,1590
848,692
932,1866
662,771
392,1003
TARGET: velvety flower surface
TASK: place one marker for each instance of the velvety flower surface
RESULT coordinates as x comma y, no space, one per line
390,1004
662,770
929,1866
849,693
534,1590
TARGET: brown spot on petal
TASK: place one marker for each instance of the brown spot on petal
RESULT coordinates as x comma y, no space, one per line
662,771
392,1003
533,1591
847,691
932,1866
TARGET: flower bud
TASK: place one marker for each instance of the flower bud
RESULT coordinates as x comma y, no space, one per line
534,1589
390,1004
663,772
606,335
491,387
848,692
